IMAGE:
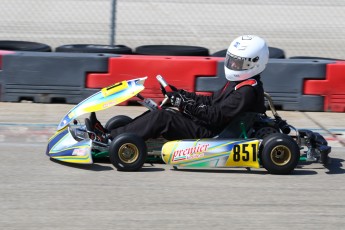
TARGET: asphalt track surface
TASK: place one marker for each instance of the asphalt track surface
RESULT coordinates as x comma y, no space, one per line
37,193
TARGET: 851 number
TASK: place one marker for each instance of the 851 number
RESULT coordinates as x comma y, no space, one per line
242,152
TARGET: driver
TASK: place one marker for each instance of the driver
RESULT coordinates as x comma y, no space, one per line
206,116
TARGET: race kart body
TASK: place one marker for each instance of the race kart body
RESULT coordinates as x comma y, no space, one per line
72,142
251,140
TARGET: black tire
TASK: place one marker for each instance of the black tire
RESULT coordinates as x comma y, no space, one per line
220,53
276,53
24,46
128,152
279,154
117,121
319,58
273,53
265,131
172,50
94,48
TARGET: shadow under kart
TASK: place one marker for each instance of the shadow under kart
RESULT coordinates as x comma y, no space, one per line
251,140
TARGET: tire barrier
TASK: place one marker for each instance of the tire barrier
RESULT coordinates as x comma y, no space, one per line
172,50
276,53
294,84
94,48
318,58
48,77
24,46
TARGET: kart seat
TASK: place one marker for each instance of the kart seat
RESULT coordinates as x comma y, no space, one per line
239,127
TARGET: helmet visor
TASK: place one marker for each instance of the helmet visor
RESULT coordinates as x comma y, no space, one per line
234,62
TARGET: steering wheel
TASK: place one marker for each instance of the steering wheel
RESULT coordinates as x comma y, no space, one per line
165,87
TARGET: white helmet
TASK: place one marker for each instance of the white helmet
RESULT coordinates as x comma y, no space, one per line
246,57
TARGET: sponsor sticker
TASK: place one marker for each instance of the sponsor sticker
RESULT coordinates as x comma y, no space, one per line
109,104
190,153
79,152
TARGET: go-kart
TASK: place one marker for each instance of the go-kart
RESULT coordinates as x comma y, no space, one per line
251,140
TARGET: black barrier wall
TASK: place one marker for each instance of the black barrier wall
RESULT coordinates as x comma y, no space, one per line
60,77
283,79
49,77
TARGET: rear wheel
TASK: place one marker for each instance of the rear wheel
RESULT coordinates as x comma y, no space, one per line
279,154
117,121
127,152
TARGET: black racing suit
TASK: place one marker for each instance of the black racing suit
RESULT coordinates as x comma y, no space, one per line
206,117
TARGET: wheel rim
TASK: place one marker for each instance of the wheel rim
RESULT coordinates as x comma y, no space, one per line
281,155
128,153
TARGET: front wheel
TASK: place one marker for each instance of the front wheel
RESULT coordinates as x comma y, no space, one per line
279,153
128,152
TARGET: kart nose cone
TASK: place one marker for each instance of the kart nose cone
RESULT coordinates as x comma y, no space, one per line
167,151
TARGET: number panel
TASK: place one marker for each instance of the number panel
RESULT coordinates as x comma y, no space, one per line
114,88
244,155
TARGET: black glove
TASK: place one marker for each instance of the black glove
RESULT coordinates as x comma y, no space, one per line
179,100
